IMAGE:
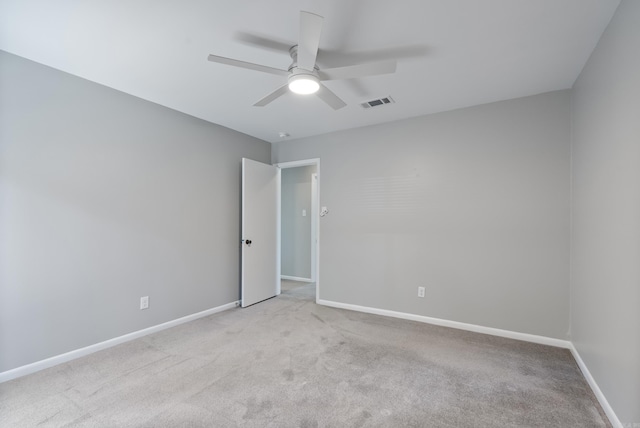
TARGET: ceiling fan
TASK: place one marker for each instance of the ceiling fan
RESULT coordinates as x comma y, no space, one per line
303,75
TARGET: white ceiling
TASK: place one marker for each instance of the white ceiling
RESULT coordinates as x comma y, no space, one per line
452,53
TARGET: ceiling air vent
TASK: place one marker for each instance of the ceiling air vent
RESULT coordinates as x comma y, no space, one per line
378,102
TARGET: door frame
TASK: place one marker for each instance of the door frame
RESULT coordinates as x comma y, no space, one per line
315,218
314,225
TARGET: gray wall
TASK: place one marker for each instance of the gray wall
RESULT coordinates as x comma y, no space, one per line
296,229
605,287
473,204
105,198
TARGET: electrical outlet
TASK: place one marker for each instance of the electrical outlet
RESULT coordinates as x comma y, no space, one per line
420,291
144,302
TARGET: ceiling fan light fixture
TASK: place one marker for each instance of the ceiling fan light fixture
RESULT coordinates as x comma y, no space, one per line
304,84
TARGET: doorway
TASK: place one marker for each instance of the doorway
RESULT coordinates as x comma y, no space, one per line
299,224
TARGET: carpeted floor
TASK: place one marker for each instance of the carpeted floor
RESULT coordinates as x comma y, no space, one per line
287,362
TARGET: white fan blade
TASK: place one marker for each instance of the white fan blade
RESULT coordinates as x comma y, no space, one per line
330,98
263,42
360,70
272,96
248,65
310,30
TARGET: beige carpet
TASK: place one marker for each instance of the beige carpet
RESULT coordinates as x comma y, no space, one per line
287,362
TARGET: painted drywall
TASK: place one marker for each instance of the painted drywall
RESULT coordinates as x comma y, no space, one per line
296,227
605,286
105,198
472,204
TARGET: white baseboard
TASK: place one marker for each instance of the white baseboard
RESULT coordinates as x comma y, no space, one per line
295,278
543,340
77,353
613,418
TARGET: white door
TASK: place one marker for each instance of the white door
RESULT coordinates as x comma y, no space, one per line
260,277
